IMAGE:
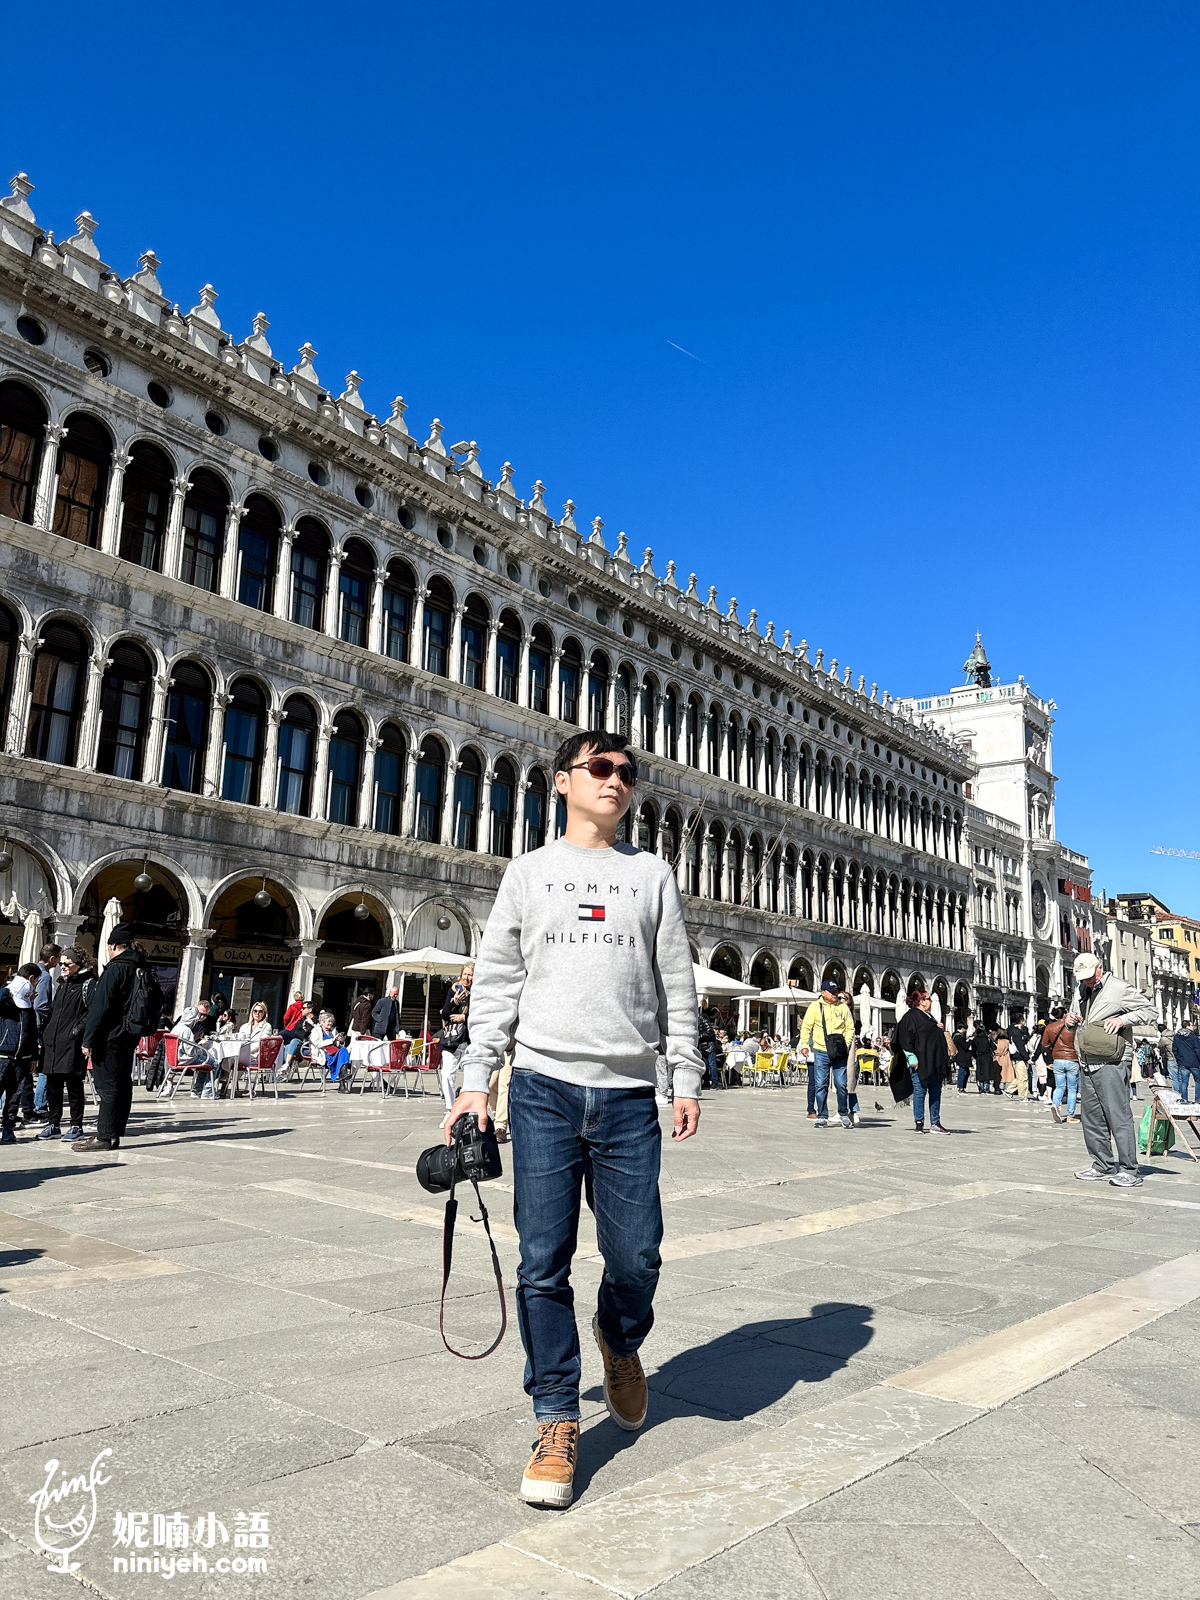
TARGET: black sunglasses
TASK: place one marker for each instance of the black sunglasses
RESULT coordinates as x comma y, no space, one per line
601,767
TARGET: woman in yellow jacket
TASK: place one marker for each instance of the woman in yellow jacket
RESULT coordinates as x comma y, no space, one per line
827,1030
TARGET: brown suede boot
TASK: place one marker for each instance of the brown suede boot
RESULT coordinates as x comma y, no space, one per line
550,1472
625,1392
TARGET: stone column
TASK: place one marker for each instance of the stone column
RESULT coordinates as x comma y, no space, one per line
416,644
231,555
661,742
518,844
215,755
366,796
610,705
89,730
64,927
110,528
408,821
47,486
283,576
18,717
172,556
152,763
448,804
268,781
333,593
483,836
523,675
454,665
635,717
555,677
490,684
375,640
305,952
321,775
191,967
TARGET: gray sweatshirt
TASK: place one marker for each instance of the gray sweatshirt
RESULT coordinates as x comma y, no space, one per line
585,951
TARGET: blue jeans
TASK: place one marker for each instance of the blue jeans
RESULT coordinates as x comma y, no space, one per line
935,1099
1184,1074
964,1073
606,1142
1066,1084
821,1071
39,1092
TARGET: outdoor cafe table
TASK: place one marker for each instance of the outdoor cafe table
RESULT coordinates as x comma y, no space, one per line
370,1053
226,1055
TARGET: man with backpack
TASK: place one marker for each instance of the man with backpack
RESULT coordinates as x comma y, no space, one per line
124,1004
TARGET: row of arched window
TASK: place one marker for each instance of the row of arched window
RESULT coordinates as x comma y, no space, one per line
125,720
188,526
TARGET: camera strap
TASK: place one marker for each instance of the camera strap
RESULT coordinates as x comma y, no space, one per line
447,1257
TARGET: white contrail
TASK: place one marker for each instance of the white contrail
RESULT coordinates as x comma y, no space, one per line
675,346
1167,850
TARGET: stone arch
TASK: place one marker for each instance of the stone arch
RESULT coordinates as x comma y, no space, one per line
423,920
189,889
300,902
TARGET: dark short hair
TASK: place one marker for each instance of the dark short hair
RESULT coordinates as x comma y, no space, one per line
49,951
595,743
30,970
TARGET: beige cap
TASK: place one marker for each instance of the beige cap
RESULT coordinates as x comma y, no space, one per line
1086,965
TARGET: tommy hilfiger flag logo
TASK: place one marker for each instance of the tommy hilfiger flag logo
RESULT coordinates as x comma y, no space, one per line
591,913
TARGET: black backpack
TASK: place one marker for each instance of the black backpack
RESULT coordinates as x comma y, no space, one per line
146,1004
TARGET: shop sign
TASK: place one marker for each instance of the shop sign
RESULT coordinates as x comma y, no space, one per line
239,955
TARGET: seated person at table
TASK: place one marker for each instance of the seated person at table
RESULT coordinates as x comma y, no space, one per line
192,1051
256,1027
324,1041
296,1037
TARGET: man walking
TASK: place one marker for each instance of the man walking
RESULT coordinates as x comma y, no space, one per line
109,1043
827,1030
586,955
1107,1002
385,1018
1018,1050
1186,1046
44,990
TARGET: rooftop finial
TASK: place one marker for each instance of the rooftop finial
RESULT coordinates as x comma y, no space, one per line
538,503
977,666
597,533
396,421
568,516
434,442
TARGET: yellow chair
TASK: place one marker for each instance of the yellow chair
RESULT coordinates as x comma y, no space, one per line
765,1067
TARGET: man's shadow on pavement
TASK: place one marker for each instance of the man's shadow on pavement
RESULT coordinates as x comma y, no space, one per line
737,1374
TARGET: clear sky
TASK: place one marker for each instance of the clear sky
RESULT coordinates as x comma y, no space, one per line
882,318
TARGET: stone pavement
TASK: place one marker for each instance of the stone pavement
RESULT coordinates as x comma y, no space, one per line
883,1365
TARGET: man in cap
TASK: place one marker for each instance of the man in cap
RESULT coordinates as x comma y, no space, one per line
827,1031
1116,1006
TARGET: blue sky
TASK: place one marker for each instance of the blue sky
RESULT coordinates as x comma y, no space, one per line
935,266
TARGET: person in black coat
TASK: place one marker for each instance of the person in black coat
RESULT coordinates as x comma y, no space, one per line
920,1050
63,1060
108,1044
985,1061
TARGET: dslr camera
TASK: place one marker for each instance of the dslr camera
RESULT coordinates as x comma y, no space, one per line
471,1156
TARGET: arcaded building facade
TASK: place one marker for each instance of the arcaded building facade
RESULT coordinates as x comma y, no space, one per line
282,683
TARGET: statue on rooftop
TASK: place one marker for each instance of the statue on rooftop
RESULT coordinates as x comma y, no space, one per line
977,666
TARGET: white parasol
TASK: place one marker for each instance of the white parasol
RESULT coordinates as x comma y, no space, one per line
428,960
717,986
785,995
113,912
33,939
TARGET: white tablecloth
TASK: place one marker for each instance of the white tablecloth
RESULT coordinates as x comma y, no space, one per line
224,1052
369,1052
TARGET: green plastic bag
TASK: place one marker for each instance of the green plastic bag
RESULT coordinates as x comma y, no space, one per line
1164,1134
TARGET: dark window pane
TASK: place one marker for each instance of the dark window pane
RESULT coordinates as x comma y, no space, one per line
437,640
389,785
258,563
354,608
295,763
396,623
80,501
122,720
473,655
508,655
201,547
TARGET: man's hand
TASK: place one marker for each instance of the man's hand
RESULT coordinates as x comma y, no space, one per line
687,1118
469,1100
1113,1024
